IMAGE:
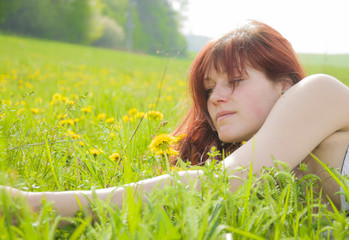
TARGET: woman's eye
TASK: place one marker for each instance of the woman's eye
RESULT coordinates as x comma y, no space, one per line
235,82
209,92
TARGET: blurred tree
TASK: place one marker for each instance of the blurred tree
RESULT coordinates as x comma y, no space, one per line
114,22
151,26
157,28
67,20
116,9
112,34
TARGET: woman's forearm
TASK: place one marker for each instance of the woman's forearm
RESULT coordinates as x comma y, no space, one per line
67,203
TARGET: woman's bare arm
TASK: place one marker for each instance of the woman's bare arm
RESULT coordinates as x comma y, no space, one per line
303,117
67,203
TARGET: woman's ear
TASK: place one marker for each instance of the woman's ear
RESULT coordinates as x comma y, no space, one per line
286,84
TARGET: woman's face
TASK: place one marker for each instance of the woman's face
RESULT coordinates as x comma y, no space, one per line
239,113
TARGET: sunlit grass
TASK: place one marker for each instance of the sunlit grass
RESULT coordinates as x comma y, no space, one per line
75,117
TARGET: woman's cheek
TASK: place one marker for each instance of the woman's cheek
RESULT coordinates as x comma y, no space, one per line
254,106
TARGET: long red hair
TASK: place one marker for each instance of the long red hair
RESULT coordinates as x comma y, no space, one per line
255,44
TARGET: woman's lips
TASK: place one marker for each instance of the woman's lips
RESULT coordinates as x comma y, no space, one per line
223,115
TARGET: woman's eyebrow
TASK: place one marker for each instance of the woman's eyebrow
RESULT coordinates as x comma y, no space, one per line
207,79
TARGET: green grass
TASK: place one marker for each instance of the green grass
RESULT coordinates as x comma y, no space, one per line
98,91
335,65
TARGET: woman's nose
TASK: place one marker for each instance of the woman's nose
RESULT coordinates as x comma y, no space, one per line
220,93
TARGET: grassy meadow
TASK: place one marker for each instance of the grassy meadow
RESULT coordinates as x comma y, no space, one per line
77,118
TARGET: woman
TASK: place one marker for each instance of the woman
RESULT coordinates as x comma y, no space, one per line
237,84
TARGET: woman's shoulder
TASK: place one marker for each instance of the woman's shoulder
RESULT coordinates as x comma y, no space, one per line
303,117
307,114
323,95
322,82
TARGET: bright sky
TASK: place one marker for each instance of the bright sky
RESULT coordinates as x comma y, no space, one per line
312,26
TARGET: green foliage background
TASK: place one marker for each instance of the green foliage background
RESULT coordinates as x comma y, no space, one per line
154,25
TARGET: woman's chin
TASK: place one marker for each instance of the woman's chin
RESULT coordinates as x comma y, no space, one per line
227,139
231,138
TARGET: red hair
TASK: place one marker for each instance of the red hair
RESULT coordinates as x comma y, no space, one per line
255,44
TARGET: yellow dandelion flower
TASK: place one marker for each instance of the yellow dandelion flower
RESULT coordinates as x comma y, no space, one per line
28,85
67,122
101,116
181,83
35,110
61,116
86,109
161,144
23,102
127,118
180,137
72,134
81,143
7,102
172,152
76,120
57,96
110,120
140,115
169,152
95,151
114,156
132,111
2,115
175,169
70,122
168,98
69,102
156,115
64,99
